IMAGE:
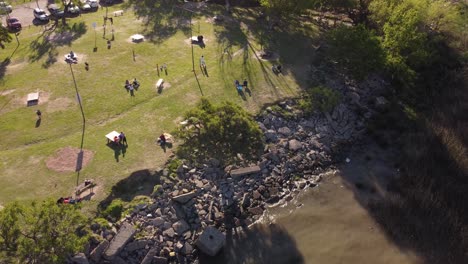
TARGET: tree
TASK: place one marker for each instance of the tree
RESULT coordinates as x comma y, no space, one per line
278,8
40,232
405,42
356,49
219,131
4,36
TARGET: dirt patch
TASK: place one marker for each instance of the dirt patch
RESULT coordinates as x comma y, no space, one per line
66,159
59,104
131,39
6,92
165,86
272,57
189,41
11,69
81,57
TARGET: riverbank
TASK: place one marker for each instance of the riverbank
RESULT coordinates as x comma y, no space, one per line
230,198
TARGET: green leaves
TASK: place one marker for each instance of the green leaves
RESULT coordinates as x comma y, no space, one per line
219,131
356,49
41,232
4,36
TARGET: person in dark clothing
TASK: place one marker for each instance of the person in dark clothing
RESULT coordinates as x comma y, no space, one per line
245,83
123,138
162,140
39,114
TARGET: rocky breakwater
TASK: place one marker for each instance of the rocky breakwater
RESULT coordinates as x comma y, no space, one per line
193,213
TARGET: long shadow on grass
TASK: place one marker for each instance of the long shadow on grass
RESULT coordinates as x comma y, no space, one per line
53,37
161,19
137,183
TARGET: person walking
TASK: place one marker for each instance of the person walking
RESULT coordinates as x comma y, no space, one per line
245,83
123,138
39,114
202,62
132,92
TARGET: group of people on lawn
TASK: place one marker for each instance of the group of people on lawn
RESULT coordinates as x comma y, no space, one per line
132,86
121,139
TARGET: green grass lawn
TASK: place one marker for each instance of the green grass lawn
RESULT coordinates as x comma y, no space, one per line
37,65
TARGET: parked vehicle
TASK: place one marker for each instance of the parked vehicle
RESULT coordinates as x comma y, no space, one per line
40,14
5,8
90,5
73,9
13,24
56,11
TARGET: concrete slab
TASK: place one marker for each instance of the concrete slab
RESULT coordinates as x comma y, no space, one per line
125,234
211,241
184,198
245,171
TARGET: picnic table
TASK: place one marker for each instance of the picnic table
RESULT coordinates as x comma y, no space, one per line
33,99
110,137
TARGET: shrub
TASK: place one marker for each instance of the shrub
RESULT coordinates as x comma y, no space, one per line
157,190
319,98
114,209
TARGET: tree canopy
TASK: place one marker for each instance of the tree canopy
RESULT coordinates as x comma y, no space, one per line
40,232
356,49
220,131
4,36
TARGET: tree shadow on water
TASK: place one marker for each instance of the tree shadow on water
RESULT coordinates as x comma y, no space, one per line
261,243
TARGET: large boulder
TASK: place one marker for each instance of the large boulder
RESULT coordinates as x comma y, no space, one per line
180,227
294,145
80,258
97,252
211,241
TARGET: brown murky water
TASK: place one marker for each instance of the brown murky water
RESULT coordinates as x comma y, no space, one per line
332,227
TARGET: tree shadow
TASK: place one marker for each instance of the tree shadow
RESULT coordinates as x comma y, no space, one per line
161,19
3,67
53,37
137,183
260,243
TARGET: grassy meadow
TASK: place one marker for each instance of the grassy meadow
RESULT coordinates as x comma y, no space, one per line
37,64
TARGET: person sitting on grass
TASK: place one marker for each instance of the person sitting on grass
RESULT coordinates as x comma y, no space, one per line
162,139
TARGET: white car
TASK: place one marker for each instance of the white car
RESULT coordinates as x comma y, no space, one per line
40,14
5,8
73,9
90,5
93,3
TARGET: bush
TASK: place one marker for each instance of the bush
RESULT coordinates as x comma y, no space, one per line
157,190
319,98
114,209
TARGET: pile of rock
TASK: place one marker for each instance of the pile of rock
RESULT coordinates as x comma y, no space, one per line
208,200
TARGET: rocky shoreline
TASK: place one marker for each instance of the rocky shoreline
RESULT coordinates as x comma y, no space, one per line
194,213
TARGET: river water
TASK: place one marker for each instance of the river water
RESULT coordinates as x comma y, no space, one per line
323,225
332,227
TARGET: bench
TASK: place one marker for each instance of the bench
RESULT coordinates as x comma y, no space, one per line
87,184
118,13
33,99
160,83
